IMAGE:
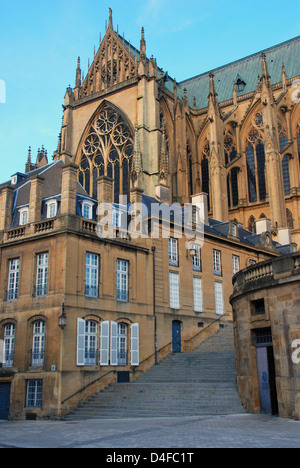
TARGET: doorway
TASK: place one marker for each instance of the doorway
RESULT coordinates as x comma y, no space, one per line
266,371
176,336
4,400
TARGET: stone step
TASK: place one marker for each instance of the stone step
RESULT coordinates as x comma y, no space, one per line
198,383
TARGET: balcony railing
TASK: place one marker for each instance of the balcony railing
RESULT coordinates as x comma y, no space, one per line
44,226
268,270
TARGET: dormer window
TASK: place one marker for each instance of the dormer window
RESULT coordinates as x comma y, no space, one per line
240,84
234,229
87,210
24,216
51,208
14,180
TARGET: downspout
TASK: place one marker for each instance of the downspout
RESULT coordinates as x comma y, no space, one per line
154,309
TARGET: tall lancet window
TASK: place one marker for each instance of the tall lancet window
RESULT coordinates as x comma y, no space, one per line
255,159
230,147
107,150
286,174
298,140
205,172
190,168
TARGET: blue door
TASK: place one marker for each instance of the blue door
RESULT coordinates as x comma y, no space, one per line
176,337
4,400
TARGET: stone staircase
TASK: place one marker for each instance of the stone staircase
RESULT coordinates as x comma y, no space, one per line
189,384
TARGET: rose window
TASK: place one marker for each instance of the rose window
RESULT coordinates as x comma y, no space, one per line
91,144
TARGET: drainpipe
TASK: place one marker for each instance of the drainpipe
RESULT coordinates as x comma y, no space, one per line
154,309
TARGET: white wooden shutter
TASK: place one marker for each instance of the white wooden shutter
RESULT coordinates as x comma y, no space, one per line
104,344
135,345
113,344
80,341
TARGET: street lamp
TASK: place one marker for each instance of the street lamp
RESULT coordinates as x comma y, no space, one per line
62,319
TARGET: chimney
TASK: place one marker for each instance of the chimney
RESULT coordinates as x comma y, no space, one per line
263,225
201,202
284,236
69,189
6,203
35,199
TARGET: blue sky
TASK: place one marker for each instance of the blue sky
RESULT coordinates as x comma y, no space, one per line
40,41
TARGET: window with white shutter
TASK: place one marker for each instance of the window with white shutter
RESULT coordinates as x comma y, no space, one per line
80,341
104,344
174,290
113,344
135,352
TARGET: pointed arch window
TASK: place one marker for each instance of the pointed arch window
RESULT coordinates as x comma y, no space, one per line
286,175
205,172
107,150
255,159
283,140
229,147
190,168
298,141
251,224
232,188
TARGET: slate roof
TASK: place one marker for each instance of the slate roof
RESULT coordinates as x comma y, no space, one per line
221,230
248,68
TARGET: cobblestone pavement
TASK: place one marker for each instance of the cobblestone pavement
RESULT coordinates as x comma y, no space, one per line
237,431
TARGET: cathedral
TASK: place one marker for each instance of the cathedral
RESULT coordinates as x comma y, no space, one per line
79,312
232,133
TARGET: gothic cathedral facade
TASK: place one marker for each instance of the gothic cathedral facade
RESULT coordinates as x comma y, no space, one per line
233,133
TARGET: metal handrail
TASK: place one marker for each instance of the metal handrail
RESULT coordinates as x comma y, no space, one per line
88,385
201,331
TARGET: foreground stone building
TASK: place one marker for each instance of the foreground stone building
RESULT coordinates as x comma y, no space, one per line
267,336
78,311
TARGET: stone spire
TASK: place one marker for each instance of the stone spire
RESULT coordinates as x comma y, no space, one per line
212,91
78,75
143,47
28,166
110,21
283,77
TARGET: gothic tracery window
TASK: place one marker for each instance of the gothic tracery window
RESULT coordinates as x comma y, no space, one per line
229,147
251,224
205,172
255,159
107,150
